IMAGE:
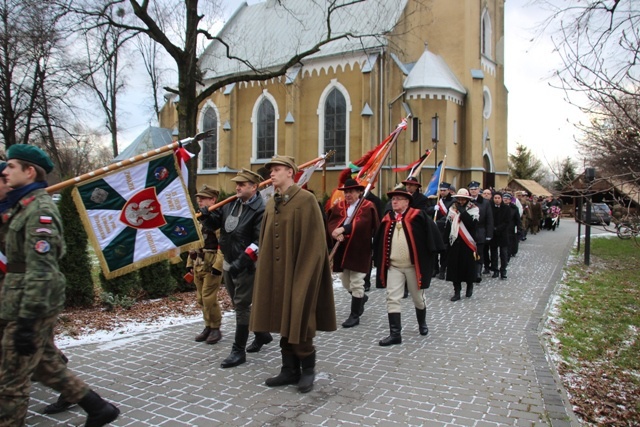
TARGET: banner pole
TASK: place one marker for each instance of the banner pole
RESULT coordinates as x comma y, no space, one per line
127,162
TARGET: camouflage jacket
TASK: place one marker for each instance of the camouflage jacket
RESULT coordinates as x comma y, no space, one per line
33,286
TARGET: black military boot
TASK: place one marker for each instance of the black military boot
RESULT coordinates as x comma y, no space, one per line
469,292
354,317
478,278
238,355
457,287
289,373
421,315
261,339
58,406
495,274
365,298
395,327
308,365
203,335
99,411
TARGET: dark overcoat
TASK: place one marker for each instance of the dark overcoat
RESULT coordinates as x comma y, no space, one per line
424,242
501,219
461,264
354,253
293,288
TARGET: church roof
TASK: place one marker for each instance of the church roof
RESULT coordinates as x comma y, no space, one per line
431,75
269,33
150,139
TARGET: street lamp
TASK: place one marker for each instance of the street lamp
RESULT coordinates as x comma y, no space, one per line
590,176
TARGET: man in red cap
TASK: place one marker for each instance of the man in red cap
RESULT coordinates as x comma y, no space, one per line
352,231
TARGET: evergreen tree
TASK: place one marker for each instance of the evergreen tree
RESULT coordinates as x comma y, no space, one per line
524,165
76,264
127,285
156,280
566,175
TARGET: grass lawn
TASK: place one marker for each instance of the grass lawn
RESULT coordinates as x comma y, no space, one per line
596,325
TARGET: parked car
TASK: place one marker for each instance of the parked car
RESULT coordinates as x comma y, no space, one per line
600,213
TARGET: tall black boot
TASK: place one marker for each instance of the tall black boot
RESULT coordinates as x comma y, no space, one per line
469,292
308,365
354,317
421,315
99,411
365,298
289,373
261,339
238,355
478,278
457,287
395,327
58,406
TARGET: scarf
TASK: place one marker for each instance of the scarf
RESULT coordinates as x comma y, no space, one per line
14,196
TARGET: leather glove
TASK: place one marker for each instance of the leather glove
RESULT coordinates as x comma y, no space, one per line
240,264
215,271
24,337
204,210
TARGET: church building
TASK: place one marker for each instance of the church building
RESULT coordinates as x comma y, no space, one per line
439,61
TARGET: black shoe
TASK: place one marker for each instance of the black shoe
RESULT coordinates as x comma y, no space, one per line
441,275
99,412
367,286
495,275
478,279
58,406
503,277
262,338
435,273
486,271
237,357
456,297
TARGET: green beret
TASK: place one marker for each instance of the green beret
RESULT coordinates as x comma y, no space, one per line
3,165
31,154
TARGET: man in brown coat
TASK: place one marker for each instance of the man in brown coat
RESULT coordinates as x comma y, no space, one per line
293,289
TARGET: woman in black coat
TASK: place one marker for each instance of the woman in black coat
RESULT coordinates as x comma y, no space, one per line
460,229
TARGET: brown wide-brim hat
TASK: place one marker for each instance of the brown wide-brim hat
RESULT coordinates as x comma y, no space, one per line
287,161
400,192
208,192
351,184
246,175
412,180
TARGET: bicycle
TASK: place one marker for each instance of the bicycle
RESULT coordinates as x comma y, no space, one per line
627,229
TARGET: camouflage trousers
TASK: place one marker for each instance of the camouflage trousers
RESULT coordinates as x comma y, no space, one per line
45,366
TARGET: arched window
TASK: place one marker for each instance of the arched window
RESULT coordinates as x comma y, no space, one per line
265,130
335,126
485,36
209,121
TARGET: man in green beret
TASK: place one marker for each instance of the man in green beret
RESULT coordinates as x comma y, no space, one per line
33,294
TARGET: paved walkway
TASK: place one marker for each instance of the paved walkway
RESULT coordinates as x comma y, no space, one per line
482,364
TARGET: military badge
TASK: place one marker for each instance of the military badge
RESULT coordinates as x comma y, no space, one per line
43,230
42,246
99,195
161,173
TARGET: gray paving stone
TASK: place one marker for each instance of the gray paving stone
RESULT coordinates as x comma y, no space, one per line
482,364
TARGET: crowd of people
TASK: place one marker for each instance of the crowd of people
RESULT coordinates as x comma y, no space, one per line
274,255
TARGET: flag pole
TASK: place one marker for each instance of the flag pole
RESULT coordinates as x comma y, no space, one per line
127,162
371,178
417,170
444,161
267,182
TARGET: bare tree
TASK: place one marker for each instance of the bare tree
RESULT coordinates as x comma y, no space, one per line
152,59
183,37
599,44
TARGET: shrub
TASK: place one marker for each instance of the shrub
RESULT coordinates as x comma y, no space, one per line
127,285
112,301
76,264
156,280
178,271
